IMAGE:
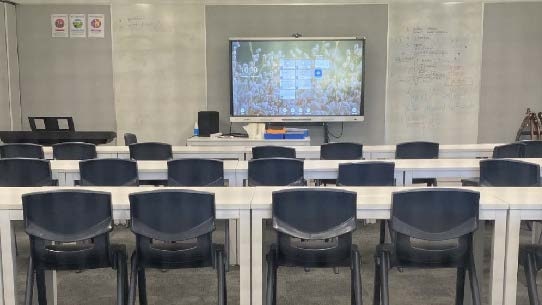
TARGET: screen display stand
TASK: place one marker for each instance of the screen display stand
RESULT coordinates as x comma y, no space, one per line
326,132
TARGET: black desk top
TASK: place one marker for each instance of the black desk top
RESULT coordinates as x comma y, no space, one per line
54,137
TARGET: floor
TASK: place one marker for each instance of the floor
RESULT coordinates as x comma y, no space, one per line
322,287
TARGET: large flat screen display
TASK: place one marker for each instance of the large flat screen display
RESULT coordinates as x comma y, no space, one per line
297,79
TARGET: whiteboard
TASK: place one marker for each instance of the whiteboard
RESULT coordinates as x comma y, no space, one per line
159,69
434,63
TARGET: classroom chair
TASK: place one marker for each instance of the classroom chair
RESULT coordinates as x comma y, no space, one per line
195,172
22,172
276,172
129,138
503,172
373,173
173,230
533,149
74,151
321,238
271,151
513,150
150,151
108,172
21,150
57,224
430,228
418,150
341,151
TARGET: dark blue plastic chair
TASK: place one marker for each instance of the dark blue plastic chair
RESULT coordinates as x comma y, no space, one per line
74,151
314,229
513,150
430,228
270,151
150,151
276,172
22,172
173,230
195,172
21,150
108,172
57,224
129,138
341,151
418,150
533,149
503,172
373,173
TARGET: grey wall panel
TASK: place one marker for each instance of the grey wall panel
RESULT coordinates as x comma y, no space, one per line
65,76
370,20
13,57
511,68
5,121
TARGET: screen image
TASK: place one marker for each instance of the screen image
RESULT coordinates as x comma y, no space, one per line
297,78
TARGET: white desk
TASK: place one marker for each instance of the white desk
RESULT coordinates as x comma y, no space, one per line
203,141
525,204
67,171
231,203
375,203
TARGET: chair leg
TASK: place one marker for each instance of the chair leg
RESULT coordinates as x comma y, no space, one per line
133,280
122,279
356,279
460,286
377,284
271,295
40,283
473,279
29,283
227,244
142,284
384,269
221,272
530,275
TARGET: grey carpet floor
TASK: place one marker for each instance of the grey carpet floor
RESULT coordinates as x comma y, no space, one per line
296,287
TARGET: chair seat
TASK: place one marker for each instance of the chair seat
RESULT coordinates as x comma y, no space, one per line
534,249
177,256
446,254
323,260
470,182
77,257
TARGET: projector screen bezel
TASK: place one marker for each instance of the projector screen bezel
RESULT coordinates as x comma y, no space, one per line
297,119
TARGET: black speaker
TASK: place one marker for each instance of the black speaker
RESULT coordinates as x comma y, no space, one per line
207,123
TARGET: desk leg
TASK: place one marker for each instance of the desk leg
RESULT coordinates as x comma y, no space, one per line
244,257
257,257
407,178
61,177
70,179
498,257
9,267
233,229
512,251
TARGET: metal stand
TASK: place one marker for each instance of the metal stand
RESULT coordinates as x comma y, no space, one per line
326,133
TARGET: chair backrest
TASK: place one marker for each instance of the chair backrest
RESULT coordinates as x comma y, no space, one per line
417,150
275,172
270,151
68,215
341,151
108,172
533,149
173,215
425,224
512,150
195,172
74,151
129,138
150,151
22,172
21,150
375,173
511,173
325,216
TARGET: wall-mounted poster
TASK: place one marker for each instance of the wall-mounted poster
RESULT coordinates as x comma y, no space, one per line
78,26
96,25
59,25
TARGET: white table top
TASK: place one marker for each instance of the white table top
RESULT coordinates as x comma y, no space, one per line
521,198
225,197
377,198
142,166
